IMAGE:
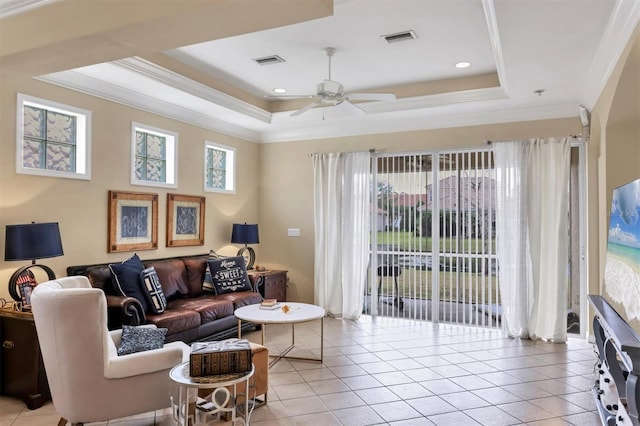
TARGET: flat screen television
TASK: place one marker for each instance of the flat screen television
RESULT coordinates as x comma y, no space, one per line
622,266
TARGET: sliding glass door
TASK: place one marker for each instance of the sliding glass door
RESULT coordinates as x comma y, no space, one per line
433,238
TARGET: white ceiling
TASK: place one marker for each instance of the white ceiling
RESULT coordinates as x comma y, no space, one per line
564,47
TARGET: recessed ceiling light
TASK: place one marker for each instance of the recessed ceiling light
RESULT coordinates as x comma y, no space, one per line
463,64
279,90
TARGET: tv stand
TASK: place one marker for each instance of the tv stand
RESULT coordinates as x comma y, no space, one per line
617,385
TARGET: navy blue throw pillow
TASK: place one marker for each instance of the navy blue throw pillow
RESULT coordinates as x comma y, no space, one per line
229,275
126,278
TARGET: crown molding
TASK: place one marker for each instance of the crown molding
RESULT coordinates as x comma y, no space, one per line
184,84
622,23
14,7
430,101
496,44
82,83
418,120
207,69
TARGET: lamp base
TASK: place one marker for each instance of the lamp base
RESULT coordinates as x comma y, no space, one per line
14,290
250,258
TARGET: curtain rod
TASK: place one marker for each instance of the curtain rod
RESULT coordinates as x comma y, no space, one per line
371,151
585,138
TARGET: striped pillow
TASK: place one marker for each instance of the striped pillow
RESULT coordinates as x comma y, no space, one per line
207,283
153,290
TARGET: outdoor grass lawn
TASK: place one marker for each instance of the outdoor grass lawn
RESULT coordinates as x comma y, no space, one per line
408,241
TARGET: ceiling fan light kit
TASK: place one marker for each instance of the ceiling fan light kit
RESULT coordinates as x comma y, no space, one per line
331,93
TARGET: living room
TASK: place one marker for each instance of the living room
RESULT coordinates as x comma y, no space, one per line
274,181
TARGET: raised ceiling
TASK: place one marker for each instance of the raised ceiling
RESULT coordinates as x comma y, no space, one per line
193,60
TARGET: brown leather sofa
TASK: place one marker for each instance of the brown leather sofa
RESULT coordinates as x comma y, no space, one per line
191,313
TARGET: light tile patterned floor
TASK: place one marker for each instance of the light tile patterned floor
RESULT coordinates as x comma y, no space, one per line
405,372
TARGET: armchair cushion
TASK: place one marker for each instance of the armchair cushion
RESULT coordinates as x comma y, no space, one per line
229,275
139,339
126,278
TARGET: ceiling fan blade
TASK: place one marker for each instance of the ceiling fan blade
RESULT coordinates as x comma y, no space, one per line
371,96
353,109
306,108
276,97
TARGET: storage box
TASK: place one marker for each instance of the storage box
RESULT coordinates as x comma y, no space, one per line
221,357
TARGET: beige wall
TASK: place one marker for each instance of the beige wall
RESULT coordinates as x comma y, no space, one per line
81,207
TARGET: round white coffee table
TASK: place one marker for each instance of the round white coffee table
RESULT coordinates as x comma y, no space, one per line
223,401
298,312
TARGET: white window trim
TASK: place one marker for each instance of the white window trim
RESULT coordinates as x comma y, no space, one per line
171,153
83,138
231,172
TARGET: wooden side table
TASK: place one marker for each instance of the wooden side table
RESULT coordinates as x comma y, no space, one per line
271,284
22,373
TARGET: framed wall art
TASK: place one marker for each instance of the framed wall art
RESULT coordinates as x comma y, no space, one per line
133,221
185,220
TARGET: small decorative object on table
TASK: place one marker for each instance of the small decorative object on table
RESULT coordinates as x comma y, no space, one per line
269,304
220,357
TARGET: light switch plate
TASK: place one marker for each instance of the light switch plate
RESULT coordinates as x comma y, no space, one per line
293,232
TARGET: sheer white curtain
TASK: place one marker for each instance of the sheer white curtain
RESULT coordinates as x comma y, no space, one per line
532,225
341,218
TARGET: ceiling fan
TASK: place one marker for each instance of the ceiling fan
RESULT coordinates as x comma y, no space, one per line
331,93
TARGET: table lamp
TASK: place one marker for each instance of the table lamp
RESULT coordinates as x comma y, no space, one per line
30,242
245,234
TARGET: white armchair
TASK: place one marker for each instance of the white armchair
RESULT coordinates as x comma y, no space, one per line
89,382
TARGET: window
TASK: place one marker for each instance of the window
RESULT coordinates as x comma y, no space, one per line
154,156
52,139
219,168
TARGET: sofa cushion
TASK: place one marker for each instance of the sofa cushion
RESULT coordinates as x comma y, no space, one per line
229,275
139,339
175,320
153,290
210,308
172,274
195,274
207,281
241,298
126,279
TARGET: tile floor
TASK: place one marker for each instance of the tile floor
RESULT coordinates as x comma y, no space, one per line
404,372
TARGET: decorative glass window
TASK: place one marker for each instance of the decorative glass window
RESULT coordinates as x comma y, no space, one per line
154,156
52,139
219,168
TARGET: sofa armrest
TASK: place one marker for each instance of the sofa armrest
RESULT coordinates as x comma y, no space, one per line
124,310
257,281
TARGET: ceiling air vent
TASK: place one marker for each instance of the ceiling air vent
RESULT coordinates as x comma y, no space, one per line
405,35
268,60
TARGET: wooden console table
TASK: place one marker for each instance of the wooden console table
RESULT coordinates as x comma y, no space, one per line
22,373
270,284
617,388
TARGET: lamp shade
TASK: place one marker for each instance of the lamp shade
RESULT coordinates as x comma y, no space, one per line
245,234
32,241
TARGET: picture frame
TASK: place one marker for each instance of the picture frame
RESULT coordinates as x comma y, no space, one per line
133,221
185,220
